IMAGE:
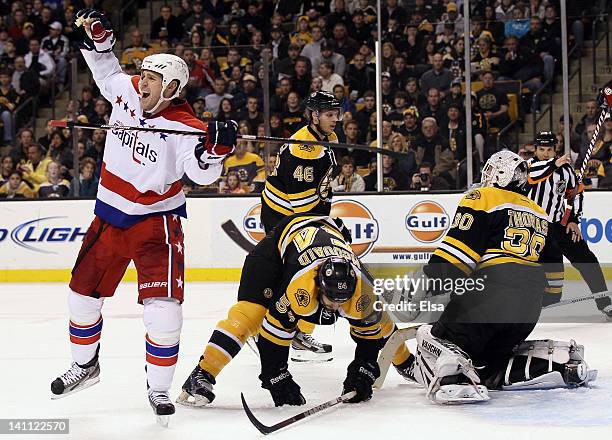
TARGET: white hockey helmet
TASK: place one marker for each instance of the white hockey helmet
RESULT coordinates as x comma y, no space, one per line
505,169
171,68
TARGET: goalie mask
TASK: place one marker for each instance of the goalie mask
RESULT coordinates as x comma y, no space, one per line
507,170
337,279
171,68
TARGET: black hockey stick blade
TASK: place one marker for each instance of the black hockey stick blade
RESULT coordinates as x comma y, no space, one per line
230,228
265,430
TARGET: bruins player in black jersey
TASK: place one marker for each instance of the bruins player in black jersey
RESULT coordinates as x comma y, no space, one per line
301,183
321,280
498,237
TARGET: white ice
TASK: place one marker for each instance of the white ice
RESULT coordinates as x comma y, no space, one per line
34,321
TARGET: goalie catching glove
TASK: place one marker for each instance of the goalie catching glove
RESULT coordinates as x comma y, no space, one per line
283,388
360,377
99,34
220,140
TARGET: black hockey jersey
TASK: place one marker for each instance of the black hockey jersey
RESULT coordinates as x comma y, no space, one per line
300,182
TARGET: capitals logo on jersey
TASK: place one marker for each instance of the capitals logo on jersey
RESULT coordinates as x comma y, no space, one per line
141,153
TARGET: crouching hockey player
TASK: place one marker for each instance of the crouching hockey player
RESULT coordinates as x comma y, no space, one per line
500,236
303,270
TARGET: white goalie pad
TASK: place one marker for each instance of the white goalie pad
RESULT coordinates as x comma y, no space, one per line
446,370
570,355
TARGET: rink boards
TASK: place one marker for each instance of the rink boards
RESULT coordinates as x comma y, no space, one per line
39,240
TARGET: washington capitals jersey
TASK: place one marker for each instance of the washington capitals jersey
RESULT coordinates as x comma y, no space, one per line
300,182
304,242
141,171
494,226
550,187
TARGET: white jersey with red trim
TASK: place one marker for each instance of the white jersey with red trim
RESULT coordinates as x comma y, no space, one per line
141,171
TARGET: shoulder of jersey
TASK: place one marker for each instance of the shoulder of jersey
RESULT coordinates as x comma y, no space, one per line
302,290
361,304
307,151
490,199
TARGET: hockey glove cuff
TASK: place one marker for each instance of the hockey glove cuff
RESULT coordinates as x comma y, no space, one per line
99,35
360,377
283,388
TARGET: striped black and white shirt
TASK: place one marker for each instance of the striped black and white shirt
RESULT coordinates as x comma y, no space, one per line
549,187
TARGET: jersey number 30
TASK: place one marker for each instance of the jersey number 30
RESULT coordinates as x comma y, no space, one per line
521,241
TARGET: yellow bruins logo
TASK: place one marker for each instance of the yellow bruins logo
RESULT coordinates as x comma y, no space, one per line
473,195
362,303
302,297
309,148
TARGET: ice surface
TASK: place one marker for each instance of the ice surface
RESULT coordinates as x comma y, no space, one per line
33,325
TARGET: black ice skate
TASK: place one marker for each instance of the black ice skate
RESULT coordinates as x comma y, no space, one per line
308,349
406,369
162,406
607,311
197,389
77,378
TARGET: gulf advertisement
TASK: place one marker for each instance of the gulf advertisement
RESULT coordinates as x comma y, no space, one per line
39,240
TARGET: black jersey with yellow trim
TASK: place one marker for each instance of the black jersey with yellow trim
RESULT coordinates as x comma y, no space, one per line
491,226
300,182
304,243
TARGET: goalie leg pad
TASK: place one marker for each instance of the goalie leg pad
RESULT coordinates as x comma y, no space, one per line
545,364
446,370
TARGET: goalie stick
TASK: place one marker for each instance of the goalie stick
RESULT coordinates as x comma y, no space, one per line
265,430
244,137
565,302
385,357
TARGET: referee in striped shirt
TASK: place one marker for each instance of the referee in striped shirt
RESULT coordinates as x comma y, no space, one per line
551,179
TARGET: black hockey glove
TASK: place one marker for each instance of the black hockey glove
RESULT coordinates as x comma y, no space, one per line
283,388
220,140
100,35
360,377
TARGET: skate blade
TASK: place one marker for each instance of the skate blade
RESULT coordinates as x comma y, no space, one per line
86,384
188,400
309,356
460,395
163,420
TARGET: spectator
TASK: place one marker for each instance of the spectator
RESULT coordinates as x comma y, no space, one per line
35,169
22,44
253,19
387,131
527,152
300,81
410,128
7,166
388,92
277,129
301,36
351,132
16,188
345,102
437,77
424,180
233,59
493,102
24,80
359,76
574,137
55,186
249,168
195,16
211,37
328,54
393,10
57,45
278,101
137,51
249,90
213,100
492,24
521,65
166,26
343,44
101,112
399,73
360,29
539,43
42,25
363,116
405,164
95,148
87,104
451,16
454,96
590,117
486,59
17,23
552,25
429,141
433,108
339,14
201,77
312,50
231,185
286,66
328,77
601,151
279,43
393,178
251,114
271,163
70,28
413,94
348,180
293,117
41,63
396,115
226,110
504,10
9,100
19,153
60,153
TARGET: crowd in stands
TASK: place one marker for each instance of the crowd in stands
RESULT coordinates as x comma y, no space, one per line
311,45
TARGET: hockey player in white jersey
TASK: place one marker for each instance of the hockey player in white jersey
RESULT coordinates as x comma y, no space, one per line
138,209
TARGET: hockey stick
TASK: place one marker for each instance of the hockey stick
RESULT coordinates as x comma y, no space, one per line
574,192
245,137
565,302
388,352
230,228
265,430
